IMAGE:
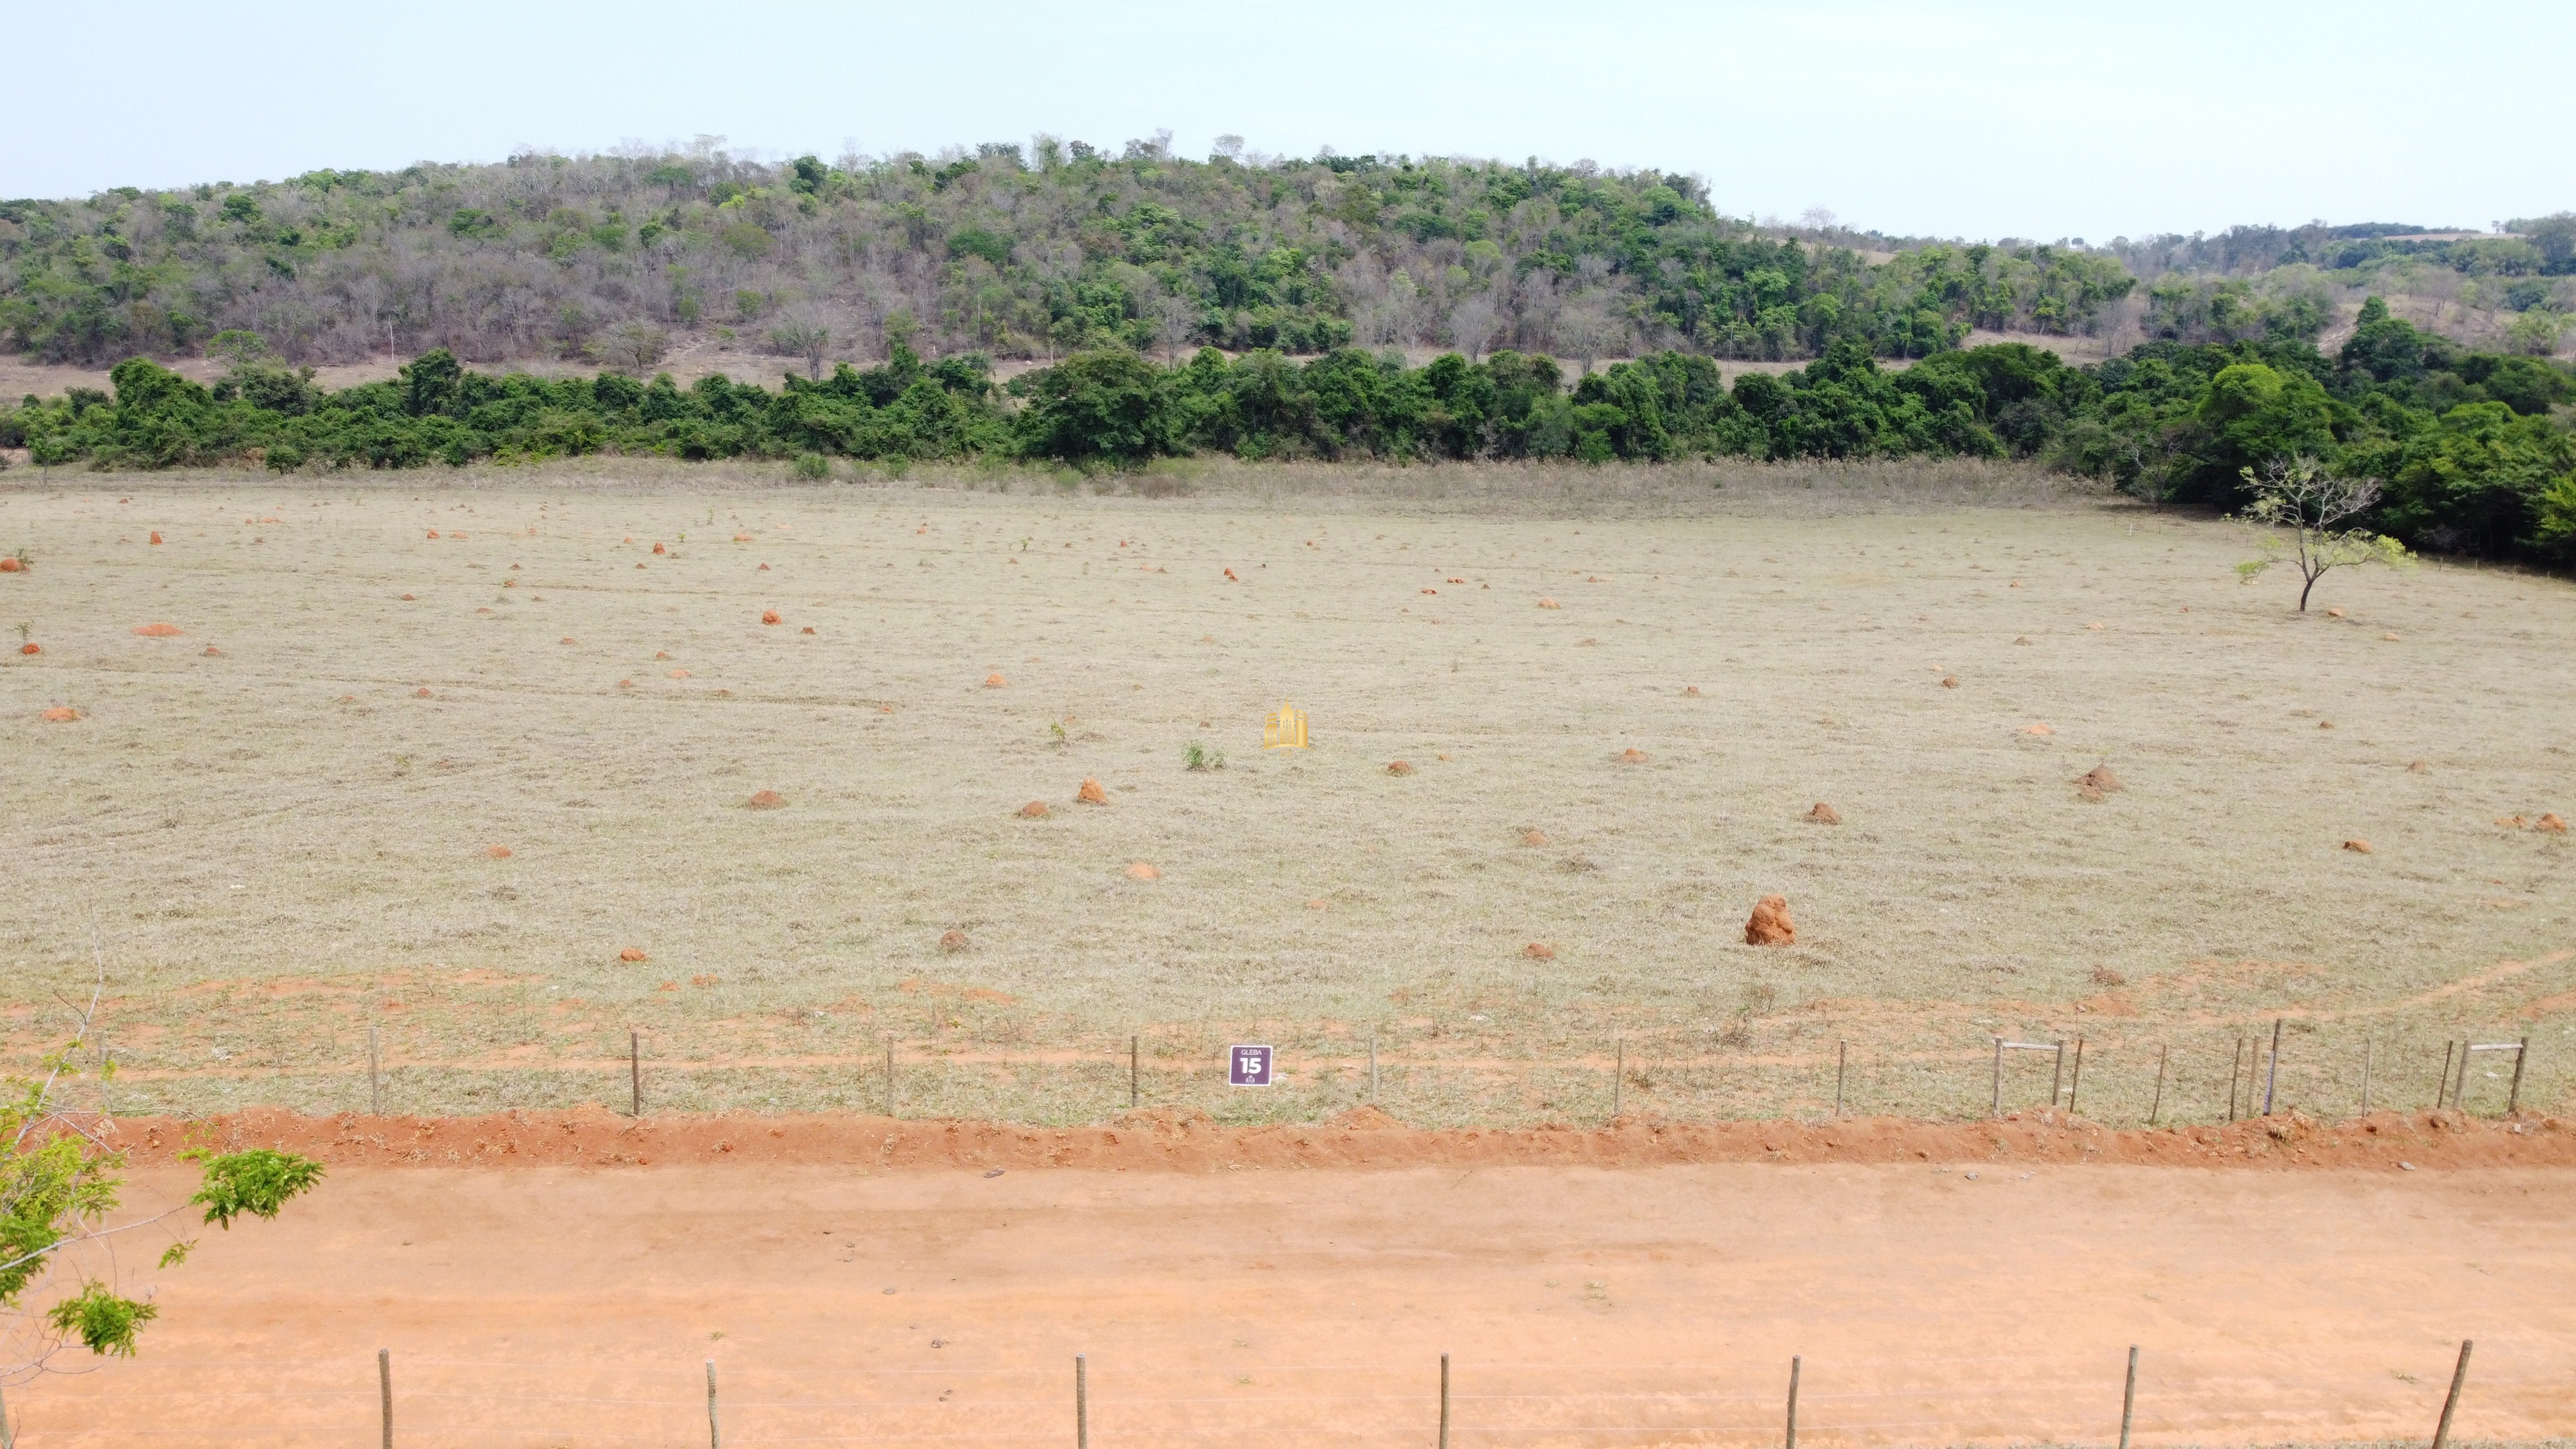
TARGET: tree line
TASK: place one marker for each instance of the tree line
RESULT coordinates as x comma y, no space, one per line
1034,251
2474,449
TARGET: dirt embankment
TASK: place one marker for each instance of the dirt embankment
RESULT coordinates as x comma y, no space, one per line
1366,1138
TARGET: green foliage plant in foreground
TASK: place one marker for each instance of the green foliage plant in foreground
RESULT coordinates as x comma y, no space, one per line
61,1184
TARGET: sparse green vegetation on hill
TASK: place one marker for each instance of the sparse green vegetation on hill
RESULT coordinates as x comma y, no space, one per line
1031,252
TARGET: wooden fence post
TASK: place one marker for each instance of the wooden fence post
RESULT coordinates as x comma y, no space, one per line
2366,1044
1842,1053
1131,1073
2460,1090
715,1436
1618,1073
2057,1077
1444,1401
2129,1398
2075,1086
2235,1062
2442,1084
2451,1402
1081,1401
385,1393
375,1086
2272,1072
1792,1440
2159,1104
889,1076
2513,1098
635,1070
1372,1065
1998,1109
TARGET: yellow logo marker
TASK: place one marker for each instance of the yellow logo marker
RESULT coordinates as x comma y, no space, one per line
1285,730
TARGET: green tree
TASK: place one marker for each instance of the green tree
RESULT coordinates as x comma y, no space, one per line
2314,505
1102,406
61,1183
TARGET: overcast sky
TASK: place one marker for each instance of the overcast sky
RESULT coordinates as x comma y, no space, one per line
1978,118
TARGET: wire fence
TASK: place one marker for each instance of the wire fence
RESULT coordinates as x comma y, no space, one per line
1441,1076
2515,1391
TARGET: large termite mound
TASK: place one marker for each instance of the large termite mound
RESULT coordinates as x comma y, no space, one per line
1770,924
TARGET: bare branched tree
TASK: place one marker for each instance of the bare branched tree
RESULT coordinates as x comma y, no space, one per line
2298,495
1471,325
803,332
630,347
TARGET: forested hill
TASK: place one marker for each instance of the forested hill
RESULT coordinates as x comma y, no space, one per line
1010,251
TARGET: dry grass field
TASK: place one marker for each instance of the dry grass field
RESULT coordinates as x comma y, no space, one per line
285,823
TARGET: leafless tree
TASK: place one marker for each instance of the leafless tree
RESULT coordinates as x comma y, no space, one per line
631,347
1471,325
805,332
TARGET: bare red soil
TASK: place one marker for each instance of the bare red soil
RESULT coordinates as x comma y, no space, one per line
1361,1139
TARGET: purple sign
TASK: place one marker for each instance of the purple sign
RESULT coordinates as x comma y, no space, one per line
1248,1066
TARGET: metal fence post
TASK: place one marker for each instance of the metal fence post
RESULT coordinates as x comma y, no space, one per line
1081,1402
1792,1440
385,1392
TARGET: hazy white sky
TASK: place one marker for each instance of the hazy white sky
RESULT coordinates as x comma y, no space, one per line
1978,117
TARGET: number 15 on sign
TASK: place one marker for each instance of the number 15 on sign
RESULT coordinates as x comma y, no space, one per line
1248,1066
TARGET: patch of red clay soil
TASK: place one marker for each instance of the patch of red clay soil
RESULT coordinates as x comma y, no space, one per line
158,631
1182,1141
1824,814
1769,924
2098,782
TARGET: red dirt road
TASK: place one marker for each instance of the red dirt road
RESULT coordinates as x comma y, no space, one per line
848,1301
